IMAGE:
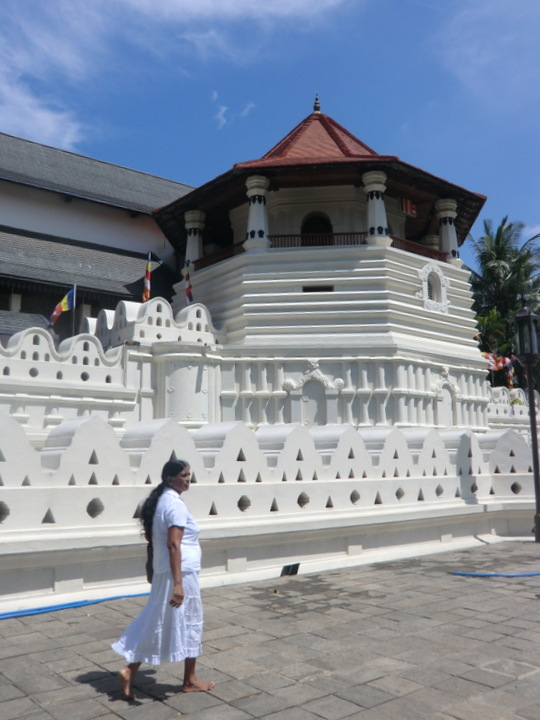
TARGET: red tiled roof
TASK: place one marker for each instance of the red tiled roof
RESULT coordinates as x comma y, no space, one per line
318,138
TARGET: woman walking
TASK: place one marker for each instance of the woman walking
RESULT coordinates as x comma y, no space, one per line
169,628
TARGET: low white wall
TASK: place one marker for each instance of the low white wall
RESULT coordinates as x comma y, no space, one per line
264,499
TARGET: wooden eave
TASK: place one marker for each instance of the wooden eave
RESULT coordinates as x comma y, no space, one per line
228,191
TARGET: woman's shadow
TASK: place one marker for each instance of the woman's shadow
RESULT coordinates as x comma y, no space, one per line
145,686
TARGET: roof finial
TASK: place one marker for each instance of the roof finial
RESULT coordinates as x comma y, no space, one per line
317,104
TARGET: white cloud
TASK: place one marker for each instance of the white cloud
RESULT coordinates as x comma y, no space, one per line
247,109
492,48
185,11
530,231
50,46
224,117
220,116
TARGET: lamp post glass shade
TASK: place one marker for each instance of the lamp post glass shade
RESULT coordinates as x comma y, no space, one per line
526,332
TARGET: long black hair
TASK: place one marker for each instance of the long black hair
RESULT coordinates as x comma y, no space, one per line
170,469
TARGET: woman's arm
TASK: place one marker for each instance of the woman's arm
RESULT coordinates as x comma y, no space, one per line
174,540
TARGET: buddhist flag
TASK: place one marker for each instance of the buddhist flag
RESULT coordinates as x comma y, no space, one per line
67,303
189,289
146,291
408,208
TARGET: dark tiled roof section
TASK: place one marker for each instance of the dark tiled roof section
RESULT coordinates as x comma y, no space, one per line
48,168
14,322
318,138
60,263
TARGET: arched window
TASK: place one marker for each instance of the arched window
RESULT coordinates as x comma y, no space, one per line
317,230
434,288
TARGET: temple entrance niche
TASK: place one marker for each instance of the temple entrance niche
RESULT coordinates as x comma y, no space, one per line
313,404
317,230
445,408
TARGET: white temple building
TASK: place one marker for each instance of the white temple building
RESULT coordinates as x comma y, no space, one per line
325,385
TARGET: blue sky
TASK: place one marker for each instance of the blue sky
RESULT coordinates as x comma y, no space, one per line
186,88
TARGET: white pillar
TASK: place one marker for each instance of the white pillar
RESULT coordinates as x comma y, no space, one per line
377,223
194,224
446,212
15,302
257,226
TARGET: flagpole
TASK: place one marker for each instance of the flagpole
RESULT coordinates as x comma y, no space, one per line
74,310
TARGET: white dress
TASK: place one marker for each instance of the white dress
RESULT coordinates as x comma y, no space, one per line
161,633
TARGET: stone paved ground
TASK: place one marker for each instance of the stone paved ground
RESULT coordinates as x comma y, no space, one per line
405,640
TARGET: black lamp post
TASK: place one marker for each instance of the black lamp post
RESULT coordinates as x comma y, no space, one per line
527,352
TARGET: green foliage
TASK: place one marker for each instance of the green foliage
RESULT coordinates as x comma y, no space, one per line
508,269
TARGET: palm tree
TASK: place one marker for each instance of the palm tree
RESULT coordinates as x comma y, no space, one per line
507,270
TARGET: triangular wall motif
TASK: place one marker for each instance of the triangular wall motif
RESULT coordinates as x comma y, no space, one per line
193,480
299,475
241,477
93,459
93,479
351,454
258,478
241,457
137,513
274,506
329,503
173,457
48,518
378,500
221,479
116,480
299,457
148,480
2,458
26,482
72,480
420,495
213,510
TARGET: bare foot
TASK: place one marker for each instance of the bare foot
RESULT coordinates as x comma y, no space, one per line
125,683
197,685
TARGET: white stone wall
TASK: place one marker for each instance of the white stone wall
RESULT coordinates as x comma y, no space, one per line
82,491
295,459
81,220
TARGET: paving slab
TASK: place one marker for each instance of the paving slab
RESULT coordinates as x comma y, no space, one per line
405,639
